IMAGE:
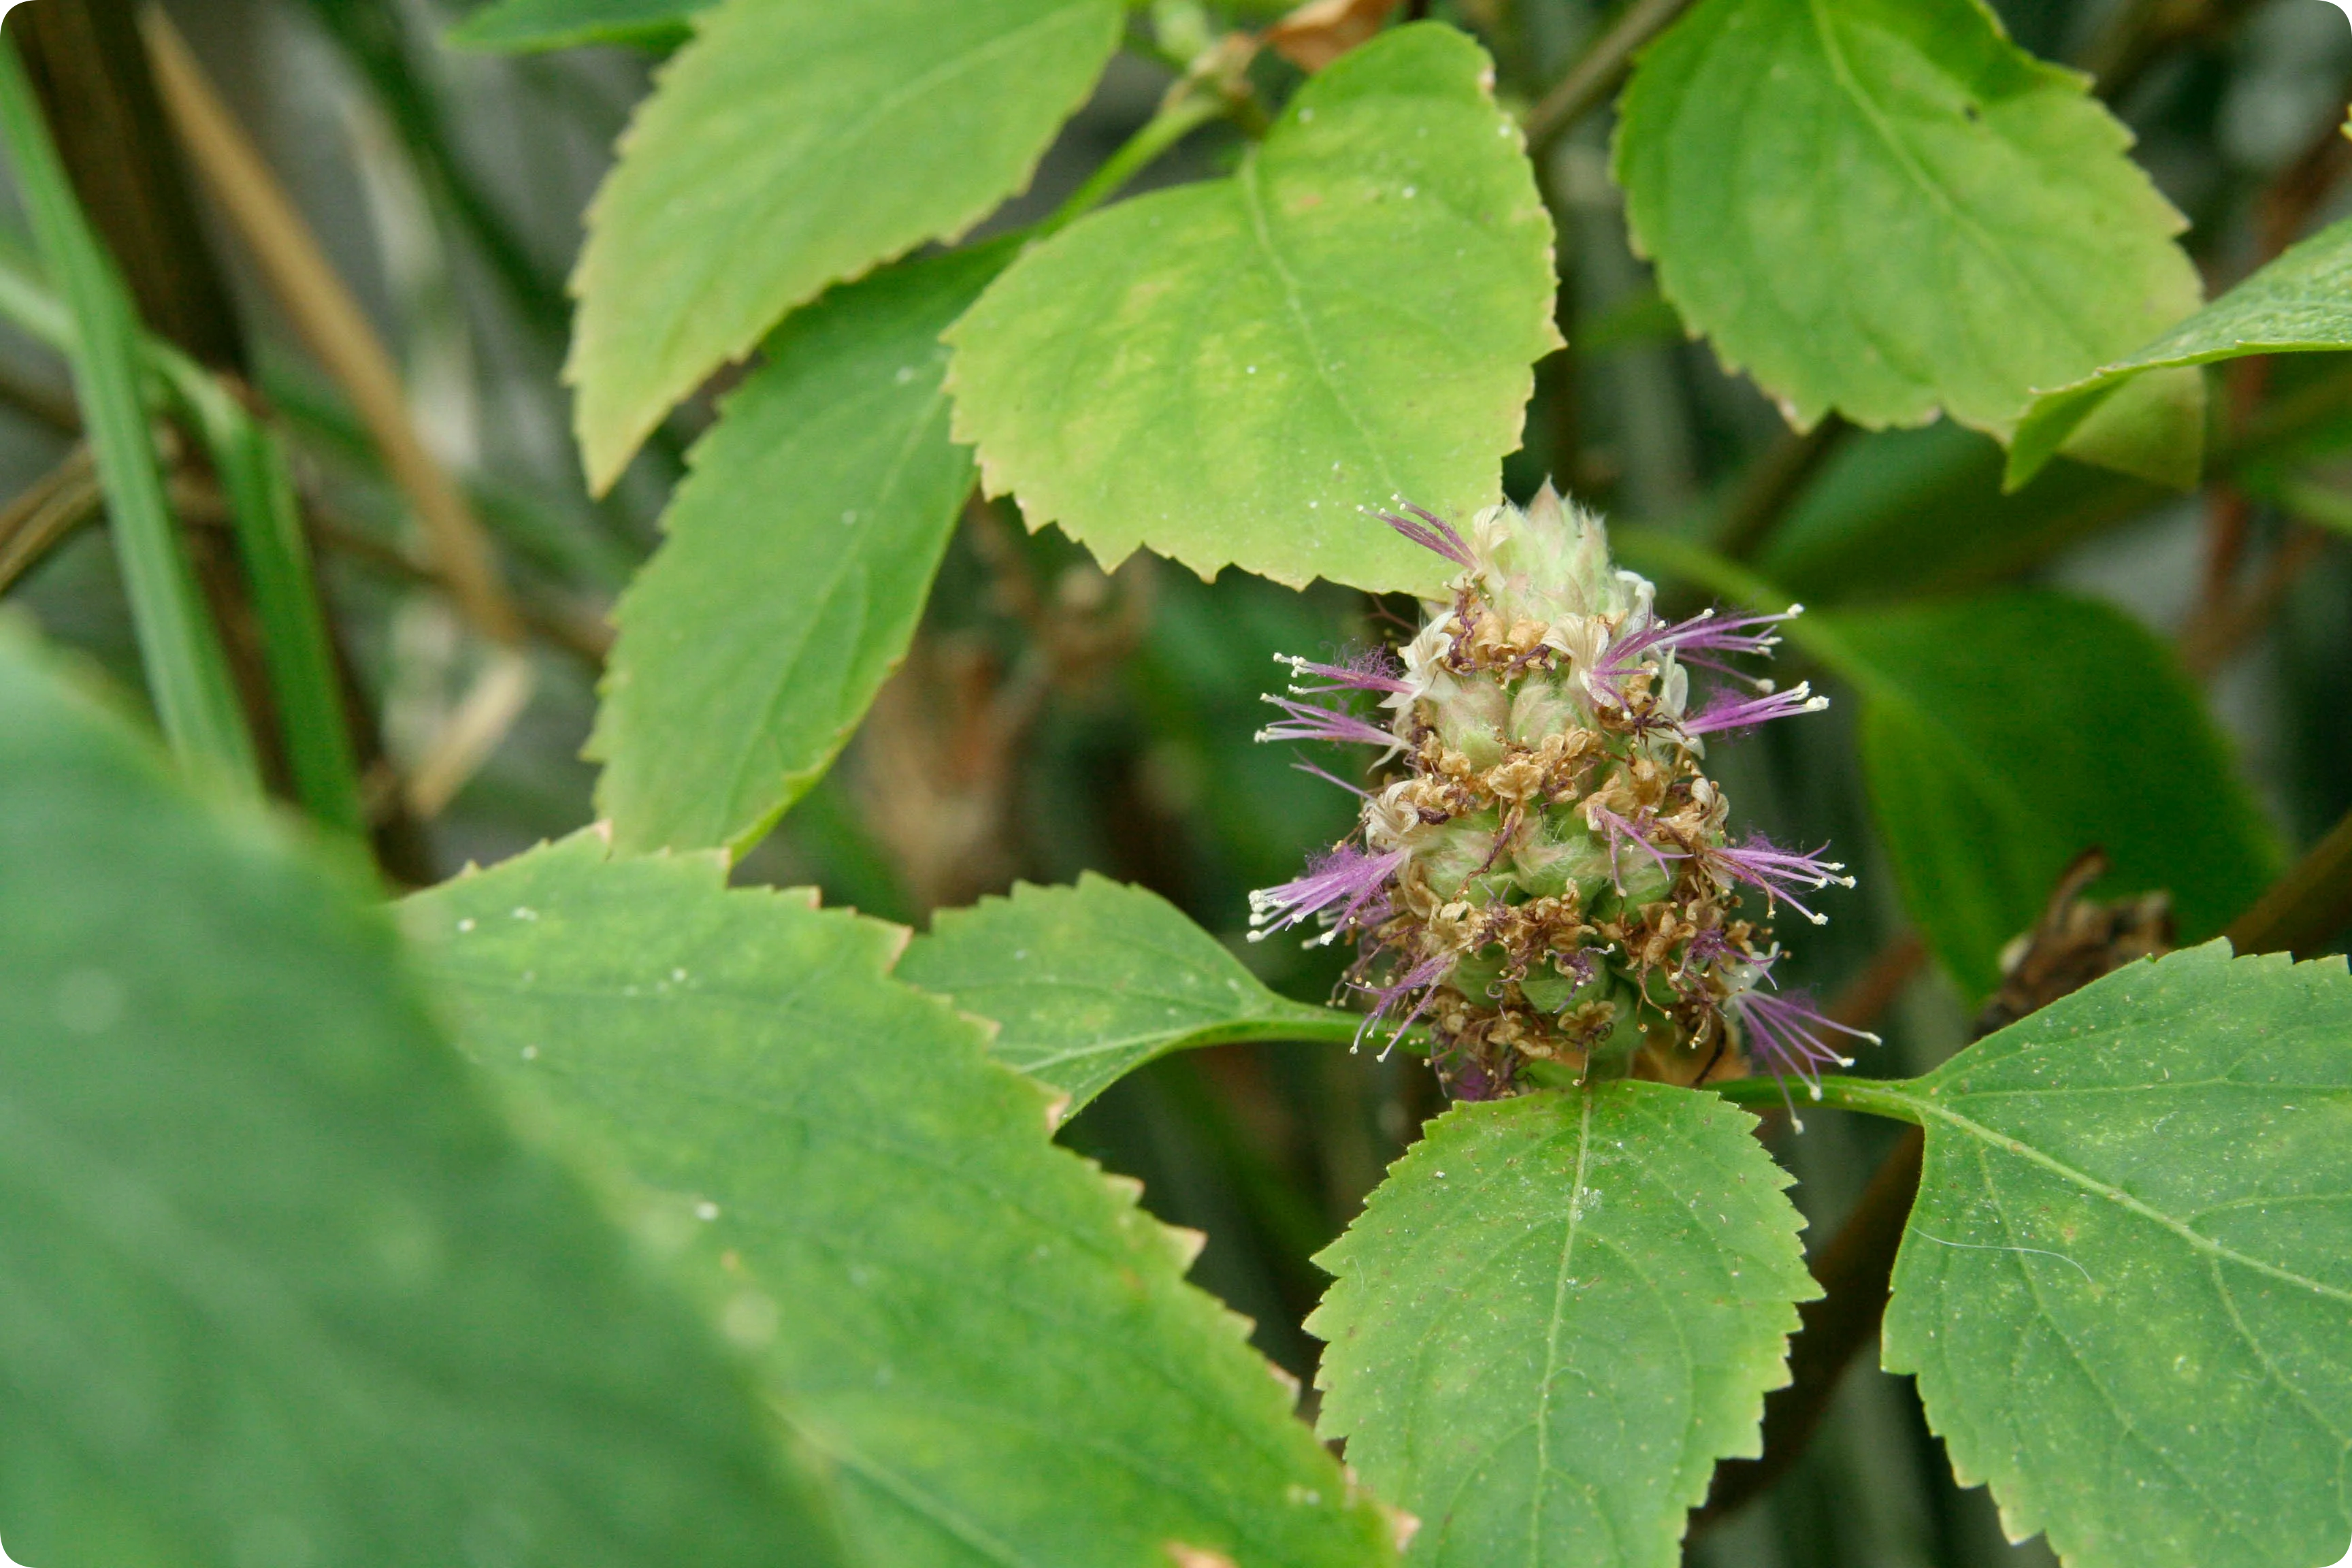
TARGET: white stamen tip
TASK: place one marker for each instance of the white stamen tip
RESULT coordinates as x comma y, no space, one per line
1818,919
1814,1090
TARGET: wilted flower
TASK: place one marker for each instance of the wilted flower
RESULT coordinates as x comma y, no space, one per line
1547,875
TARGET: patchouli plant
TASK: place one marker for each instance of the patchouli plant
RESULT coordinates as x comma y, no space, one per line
710,1005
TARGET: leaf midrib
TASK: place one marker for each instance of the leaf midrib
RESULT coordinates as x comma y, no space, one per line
2202,1245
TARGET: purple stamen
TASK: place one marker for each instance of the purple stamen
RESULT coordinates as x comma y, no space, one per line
1702,640
1374,670
1786,1035
1310,768
1305,721
1778,872
1621,831
1431,533
1421,977
1346,877
1727,712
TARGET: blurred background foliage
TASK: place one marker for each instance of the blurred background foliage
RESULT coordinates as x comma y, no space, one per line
1053,719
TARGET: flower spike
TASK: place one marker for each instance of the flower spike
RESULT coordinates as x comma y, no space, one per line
1542,872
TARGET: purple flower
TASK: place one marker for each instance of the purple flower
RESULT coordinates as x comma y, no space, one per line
1431,533
1787,1035
1421,977
1705,639
1305,721
1621,832
1727,712
1374,670
1346,878
1778,872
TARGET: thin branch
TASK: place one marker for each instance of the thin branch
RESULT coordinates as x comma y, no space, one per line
42,518
1772,484
330,321
2307,909
1597,74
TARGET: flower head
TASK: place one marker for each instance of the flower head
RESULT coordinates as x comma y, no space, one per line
1546,873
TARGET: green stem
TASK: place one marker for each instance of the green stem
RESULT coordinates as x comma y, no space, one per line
270,543
187,672
1890,1097
275,555
1174,121
1595,76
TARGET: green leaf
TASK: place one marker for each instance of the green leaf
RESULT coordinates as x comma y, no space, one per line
2002,736
524,26
2126,1288
993,1343
799,552
282,1287
1900,514
1225,372
796,143
2300,302
1884,207
1088,983
1554,1318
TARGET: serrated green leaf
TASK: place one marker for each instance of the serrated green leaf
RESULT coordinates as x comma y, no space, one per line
282,1287
2002,736
1884,207
2126,1288
798,556
527,26
993,1342
2300,302
1225,372
796,143
1555,1316
1088,983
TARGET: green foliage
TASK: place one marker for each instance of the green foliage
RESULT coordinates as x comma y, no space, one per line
2003,736
282,1287
2127,1284
799,556
1555,1316
2300,302
521,26
1886,208
992,1344
1225,372
735,202
1088,983
188,677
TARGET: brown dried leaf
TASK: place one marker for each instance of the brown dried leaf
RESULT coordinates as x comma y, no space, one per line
1322,30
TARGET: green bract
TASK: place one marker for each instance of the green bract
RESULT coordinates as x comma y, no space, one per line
1224,373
